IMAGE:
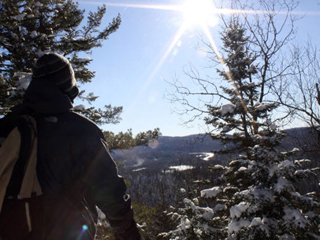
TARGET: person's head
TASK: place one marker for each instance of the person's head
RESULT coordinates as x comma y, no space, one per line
55,68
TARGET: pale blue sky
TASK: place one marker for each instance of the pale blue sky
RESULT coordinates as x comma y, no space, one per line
132,65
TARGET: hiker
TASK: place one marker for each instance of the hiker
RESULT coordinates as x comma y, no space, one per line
74,167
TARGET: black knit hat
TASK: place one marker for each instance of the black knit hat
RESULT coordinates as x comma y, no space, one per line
57,69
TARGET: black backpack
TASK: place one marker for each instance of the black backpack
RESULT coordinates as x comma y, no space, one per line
26,213
18,160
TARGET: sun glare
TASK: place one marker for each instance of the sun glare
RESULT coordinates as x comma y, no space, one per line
196,13
200,12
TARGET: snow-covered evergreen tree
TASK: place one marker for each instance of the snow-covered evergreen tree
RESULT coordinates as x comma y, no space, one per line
243,114
256,196
30,28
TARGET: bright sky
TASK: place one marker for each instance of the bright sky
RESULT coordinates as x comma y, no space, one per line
151,45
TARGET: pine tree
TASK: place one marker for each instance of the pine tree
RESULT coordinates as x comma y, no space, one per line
125,140
256,196
243,114
30,28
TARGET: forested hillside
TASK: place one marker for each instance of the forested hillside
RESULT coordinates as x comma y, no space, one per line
195,150
156,182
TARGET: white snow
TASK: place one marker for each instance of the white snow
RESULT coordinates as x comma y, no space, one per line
256,222
260,106
40,53
211,192
286,164
15,36
218,167
208,213
237,210
302,160
251,69
43,36
38,4
257,194
265,194
80,107
139,162
242,169
229,31
182,190
236,225
219,207
139,169
181,168
294,216
272,169
97,115
281,184
226,129
271,125
296,150
206,156
24,80
263,106
19,17
287,237
209,155
79,39
185,224
226,108
34,34
82,60
59,6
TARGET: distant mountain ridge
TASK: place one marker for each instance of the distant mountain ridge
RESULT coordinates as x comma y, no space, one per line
189,143
167,151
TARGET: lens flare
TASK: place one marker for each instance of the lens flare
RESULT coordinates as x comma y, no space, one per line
200,12
153,144
84,228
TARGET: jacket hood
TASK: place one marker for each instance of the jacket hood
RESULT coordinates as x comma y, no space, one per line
45,97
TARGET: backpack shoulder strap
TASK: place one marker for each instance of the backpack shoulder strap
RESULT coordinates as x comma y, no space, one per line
30,183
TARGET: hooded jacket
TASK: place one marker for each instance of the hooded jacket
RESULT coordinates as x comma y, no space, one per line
75,171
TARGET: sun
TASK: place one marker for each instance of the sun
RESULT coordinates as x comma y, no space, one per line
200,13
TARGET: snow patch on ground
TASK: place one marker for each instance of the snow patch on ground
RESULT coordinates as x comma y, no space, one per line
206,156
139,169
181,168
